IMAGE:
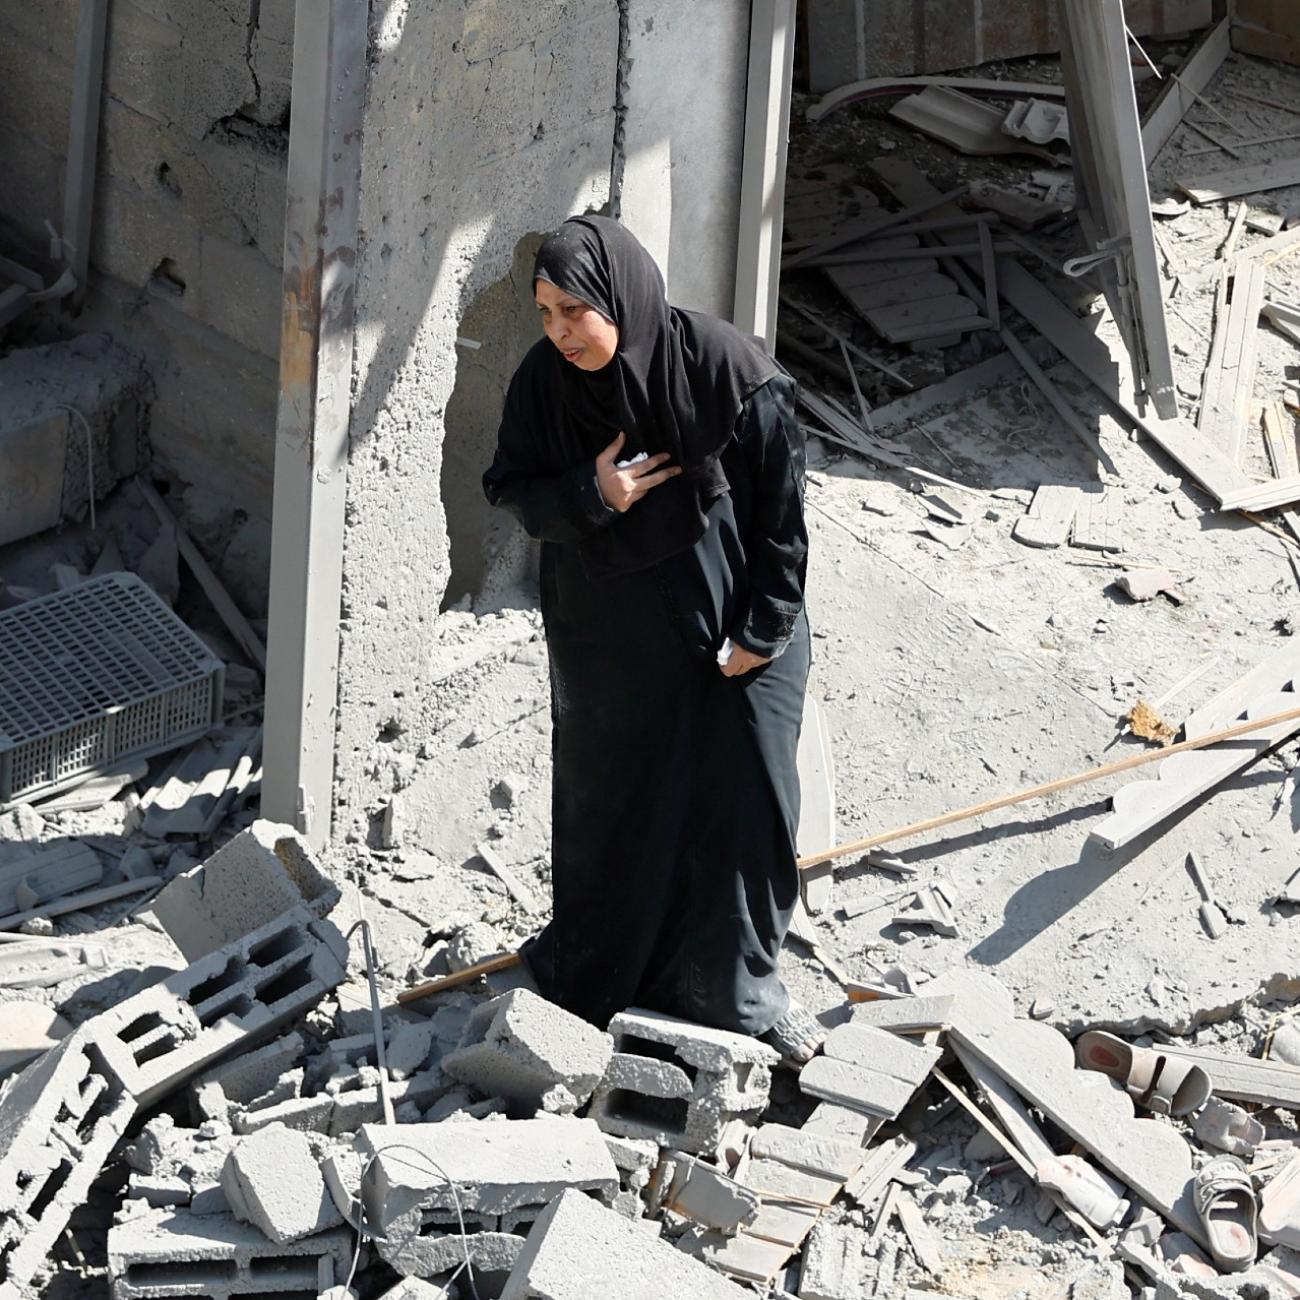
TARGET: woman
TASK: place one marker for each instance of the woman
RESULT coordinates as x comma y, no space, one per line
655,454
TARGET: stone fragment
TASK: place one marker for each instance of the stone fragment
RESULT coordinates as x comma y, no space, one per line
273,1180
832,1264
247,883
523,1048
578,1250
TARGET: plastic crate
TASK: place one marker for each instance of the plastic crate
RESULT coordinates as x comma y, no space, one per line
96,674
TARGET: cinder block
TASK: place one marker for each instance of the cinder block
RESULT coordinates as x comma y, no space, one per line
498,1167
254,878
176,1253
578,1250
272,1180
43,453
679,1084
707,1195
227,1001
245,1078
491,1252
59,1120
523,1048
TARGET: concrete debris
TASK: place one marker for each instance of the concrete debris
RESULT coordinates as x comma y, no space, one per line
523,1048
577,1250
262,872
272,1179
1147,584
700,1192
679,1084
1227,1128
832,1264
174,1252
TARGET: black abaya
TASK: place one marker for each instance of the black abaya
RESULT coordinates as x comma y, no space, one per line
676,797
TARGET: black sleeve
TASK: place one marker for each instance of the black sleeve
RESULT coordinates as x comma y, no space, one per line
777,546
553,507
563,508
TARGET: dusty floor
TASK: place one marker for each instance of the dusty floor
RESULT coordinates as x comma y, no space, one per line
946,676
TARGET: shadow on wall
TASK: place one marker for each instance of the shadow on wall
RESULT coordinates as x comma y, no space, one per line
490,554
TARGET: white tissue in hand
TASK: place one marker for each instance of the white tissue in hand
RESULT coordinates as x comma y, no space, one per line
636,460
724,655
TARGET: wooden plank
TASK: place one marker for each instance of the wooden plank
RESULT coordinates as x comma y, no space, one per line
921,1237
887,293
1256,178
1038,1062
1099,521
1050,516
910,407
1264,496
1181,88
926,319
230,613
1270,1083
1230,374
1279,440
1225,707
1184,777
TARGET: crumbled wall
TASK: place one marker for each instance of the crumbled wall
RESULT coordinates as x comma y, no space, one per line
485,121
189,207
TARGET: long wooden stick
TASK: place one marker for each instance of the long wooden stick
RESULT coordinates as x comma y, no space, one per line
472,973
1048,787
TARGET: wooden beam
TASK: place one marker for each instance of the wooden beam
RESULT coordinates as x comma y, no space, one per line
1182,88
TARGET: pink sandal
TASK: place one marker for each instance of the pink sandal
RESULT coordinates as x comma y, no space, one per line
1164,1084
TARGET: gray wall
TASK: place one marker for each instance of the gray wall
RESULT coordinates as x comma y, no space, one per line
685,95
485,122
190,191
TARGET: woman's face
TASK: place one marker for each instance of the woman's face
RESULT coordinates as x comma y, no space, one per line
585,338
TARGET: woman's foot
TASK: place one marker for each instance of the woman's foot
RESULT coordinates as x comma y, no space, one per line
796,1035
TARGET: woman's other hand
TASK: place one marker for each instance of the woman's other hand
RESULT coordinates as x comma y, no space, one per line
623,488
740,661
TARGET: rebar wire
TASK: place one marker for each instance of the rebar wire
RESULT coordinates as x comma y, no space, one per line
381,1063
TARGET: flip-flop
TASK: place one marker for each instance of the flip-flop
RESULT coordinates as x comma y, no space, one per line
795,1029
1167,1085
1225,1201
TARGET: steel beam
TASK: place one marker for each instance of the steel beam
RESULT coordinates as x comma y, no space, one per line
762,179
316,345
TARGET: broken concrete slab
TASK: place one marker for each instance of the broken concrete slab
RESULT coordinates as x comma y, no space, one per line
272,1179
679,1084
249,881
244,1079
832,1264
520,1047
578,1250
855,1086
176,1252
905,1015
705,1194
878,1050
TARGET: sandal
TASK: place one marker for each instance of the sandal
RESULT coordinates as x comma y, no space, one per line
795,1032
1225,1202
1164,1084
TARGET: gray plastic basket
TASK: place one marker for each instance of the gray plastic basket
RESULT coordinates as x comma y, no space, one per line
101,672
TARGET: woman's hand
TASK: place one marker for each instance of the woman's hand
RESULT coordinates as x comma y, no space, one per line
621,489
741,661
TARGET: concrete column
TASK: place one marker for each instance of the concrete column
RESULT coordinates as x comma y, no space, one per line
762,184
317,330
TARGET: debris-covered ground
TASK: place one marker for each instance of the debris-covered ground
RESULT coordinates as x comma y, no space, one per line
216,1119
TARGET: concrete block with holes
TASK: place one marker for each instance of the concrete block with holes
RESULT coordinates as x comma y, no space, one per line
679,1084
498,1175
176,1252
64,1113
523,1048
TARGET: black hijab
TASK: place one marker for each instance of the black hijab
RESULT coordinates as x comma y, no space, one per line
677,383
